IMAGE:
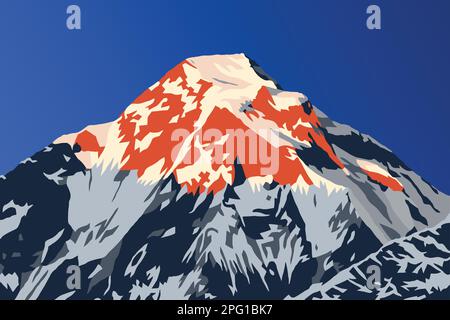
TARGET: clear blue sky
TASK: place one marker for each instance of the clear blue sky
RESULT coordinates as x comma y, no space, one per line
392,84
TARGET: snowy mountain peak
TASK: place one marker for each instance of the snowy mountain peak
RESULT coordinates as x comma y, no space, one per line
215,183
201,117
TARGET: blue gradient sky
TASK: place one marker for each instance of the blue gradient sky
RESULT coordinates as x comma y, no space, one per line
392,84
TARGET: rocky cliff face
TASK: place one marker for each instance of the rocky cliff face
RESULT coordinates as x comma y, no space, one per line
216,183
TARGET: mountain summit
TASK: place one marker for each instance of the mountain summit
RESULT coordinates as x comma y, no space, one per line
201,107
216,183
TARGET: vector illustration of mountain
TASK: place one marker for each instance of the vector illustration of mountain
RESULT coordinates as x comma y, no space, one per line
217,184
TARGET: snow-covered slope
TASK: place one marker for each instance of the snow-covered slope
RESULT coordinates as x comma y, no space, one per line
213,183
413,267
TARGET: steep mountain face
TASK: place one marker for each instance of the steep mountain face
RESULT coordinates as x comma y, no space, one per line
414,267
216,183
